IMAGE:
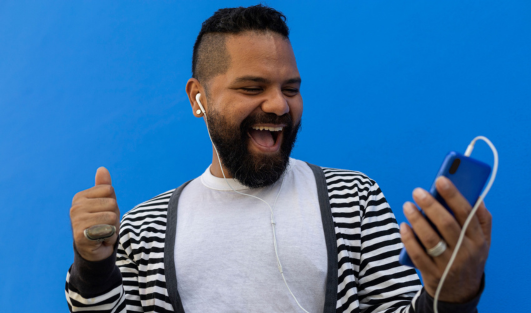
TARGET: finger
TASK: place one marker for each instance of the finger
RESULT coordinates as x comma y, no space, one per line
426,234
415,251
485,221
439,216
94,206
459,205
92,246
84,221
103,177
99,191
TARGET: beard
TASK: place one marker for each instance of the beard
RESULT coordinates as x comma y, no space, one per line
232,143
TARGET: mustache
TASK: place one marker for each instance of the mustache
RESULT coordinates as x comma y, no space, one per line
266,118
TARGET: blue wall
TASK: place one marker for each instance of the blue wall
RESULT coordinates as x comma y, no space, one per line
389,86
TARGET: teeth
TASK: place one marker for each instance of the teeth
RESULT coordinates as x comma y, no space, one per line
272,129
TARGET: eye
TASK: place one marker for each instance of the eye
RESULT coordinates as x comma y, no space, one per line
251,90
290,92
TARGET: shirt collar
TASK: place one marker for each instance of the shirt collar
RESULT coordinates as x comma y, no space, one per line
219,183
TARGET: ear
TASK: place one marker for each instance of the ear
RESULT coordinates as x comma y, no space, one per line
193,87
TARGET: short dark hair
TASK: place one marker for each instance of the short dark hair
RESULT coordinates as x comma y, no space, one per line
210,56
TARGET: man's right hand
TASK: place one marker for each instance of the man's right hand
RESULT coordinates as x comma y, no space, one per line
94,206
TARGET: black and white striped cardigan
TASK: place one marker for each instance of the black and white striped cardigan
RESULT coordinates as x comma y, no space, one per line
361,234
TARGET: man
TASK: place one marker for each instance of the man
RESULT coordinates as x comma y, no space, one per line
259,231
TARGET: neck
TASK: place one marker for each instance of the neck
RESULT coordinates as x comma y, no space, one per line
215,169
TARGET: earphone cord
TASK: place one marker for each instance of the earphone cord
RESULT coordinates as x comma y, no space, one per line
272,217
470,216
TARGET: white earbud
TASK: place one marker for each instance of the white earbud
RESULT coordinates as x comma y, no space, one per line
200,105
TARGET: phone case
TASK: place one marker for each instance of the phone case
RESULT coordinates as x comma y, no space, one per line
469,178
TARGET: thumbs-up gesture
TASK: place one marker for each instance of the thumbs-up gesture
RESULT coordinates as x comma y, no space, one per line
95,206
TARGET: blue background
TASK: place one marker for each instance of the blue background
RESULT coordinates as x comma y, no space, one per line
389,87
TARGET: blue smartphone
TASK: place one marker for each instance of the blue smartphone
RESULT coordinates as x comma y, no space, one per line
469,177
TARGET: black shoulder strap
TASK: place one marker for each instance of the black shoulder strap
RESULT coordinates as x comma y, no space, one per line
330,239
169,250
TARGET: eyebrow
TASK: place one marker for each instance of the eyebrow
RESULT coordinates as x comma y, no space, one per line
258,79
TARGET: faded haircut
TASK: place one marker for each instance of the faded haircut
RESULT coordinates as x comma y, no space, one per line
210,56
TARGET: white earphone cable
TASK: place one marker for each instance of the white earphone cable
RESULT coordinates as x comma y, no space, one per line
272,216
468,152
459,241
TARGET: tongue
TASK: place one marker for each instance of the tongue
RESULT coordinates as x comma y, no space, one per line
262,137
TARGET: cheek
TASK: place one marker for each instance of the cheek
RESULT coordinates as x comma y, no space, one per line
240,114
239,110
296,111
233,114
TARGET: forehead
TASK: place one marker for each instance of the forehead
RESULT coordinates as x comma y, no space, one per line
260,54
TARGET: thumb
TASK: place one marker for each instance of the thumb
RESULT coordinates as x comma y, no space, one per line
103,177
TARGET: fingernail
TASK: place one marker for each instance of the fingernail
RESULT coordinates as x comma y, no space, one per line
420,193
408,208
403,228
443,182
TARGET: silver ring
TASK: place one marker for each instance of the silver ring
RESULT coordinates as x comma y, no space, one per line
438,249
99,232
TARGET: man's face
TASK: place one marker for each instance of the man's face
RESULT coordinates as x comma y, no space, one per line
255,107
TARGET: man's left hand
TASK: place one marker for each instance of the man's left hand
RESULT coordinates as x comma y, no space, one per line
464,279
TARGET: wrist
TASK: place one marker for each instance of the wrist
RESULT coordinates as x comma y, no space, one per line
92,278
444,306
462,292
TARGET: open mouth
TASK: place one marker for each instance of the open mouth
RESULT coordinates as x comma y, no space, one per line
266,137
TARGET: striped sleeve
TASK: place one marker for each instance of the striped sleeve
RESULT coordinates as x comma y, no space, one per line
370,279
129,271
384,284
142,233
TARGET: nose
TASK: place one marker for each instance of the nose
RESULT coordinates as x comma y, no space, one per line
276,103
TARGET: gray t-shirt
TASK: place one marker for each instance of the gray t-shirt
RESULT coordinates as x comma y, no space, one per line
224,255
